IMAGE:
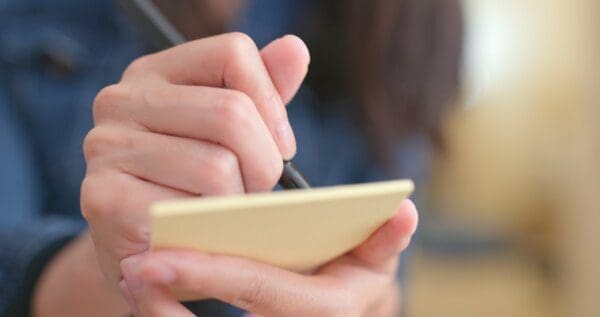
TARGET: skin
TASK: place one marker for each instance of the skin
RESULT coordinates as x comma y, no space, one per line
207,118
75,268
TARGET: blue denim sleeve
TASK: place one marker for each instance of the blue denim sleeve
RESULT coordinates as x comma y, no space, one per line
28,237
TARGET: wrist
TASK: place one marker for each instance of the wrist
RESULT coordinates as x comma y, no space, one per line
72,284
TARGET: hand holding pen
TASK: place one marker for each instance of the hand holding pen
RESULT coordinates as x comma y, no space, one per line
208,117
161,33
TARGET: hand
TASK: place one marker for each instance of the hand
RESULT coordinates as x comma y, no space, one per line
360,283
203,118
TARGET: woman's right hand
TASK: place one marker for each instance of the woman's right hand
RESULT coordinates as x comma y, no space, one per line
204,118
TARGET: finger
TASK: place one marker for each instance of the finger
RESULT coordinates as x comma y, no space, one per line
221,116
188,165
155,301
115,206
390,239
246,284
228,61
388,304
287,61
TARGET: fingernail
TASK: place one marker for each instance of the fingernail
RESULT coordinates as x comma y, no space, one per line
285,138
129,268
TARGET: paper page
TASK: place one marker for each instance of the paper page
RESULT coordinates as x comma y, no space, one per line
297,230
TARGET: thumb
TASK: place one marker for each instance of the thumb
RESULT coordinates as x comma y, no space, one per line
287,60
391,238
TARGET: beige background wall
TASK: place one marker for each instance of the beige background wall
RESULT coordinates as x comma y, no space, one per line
523,161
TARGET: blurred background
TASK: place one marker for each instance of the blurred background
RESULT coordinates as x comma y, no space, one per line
512,216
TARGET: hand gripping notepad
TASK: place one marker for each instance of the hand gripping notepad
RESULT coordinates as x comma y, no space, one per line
297,230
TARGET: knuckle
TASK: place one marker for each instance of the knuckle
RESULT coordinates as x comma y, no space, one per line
253,295
240,42
238,47
235,109
225,163
101,140
222,167
92,145
238,98
108,99
139,65
97,197
142,98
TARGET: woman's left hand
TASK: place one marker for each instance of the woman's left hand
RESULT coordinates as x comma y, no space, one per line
360,283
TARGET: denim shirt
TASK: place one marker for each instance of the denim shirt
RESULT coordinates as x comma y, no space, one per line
54,58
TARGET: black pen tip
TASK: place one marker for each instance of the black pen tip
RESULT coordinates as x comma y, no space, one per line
291,177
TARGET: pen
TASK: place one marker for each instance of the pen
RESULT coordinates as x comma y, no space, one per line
162,34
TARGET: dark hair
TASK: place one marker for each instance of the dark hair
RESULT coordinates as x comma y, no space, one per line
396,61
400,63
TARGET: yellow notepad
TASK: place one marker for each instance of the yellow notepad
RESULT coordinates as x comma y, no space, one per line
297,230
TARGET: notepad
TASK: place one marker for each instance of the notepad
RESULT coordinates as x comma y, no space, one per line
297,230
